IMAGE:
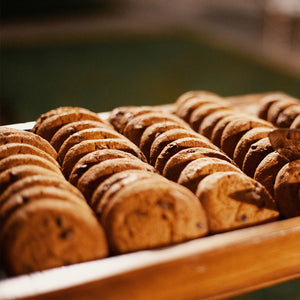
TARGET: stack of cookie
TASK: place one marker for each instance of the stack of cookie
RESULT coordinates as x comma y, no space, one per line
245,138
44,220
281,110
230,198
138,208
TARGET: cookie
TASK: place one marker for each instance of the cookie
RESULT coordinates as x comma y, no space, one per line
23,159
245,142
65,131
50,233
287,189
278,107
83,135
35,193
166,138
121,116
296,123
256,153
234,131
186,109
85,147
287,116
136,127
112,185
267,170
208,124
267,101
10,135
152,213
192,94
179,161
198,115
42,180
152,132
93,158
13,174
174,147
89,181
217,132
233,200
19,148
49,126
198,169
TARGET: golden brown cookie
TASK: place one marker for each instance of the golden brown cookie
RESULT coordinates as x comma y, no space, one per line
287,189
198,115
89,181
152,213
83,135
85,147
267,170
296,123
287,116
256,153
19,148
152,132
278,107
267,101
23,159
186,109
13,174
192,94
65,131
136,127
35,193
216,134
208,124
50,233
174,147
179,161
233,200
245,142
121,116
198,169
41,180
166,138
49,126
93,158
112,185
234,131
10,135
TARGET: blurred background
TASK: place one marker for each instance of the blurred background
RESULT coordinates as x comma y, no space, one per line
100,54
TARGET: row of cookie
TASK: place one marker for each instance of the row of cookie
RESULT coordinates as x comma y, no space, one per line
44,220
138,208
280,109
243,138
188,158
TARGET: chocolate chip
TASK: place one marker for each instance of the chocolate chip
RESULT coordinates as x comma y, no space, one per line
66,234
172,147
253,147
58,221
199,225
243,218
25,199
165,205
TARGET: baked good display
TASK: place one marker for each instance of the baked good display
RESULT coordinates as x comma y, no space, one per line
148,177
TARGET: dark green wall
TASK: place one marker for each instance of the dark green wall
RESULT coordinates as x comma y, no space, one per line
101,75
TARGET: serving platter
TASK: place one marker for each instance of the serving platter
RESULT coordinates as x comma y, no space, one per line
211,267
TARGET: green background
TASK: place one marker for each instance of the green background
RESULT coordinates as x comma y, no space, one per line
101,75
